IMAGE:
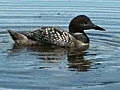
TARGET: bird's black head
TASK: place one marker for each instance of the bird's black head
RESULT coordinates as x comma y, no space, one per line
81,23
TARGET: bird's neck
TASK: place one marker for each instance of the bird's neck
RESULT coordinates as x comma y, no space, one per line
81,36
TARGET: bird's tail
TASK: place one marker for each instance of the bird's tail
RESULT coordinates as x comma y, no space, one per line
18,37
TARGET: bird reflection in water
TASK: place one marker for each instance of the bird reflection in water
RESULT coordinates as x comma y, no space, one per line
77,62
50,54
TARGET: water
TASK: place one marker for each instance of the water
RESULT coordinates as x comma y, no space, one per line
44,68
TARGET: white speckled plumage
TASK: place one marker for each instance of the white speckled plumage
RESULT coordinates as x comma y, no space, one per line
52,35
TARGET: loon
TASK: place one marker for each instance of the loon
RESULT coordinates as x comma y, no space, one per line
76,37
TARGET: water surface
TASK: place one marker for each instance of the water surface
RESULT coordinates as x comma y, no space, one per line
45,68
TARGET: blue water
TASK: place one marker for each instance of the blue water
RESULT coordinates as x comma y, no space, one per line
44,68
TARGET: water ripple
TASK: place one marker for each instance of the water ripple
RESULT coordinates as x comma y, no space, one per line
47,68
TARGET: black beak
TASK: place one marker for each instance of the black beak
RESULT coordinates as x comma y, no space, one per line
98,28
